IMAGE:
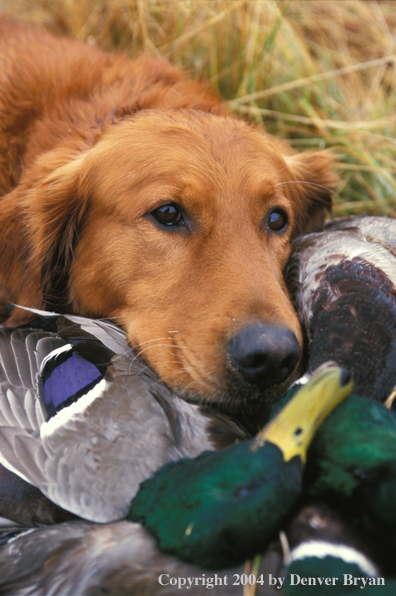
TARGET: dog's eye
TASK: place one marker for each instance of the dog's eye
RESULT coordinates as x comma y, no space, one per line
168,215
277,220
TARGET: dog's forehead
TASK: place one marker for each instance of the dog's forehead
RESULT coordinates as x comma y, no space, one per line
186,154
191,136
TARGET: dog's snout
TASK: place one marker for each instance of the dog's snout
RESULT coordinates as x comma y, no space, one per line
265,354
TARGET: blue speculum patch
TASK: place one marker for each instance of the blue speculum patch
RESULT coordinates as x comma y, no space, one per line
65,378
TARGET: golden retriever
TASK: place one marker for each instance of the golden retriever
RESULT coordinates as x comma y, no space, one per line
130,192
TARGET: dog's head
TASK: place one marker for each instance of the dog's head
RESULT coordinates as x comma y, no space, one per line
177,224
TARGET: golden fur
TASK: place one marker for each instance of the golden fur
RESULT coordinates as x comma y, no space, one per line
90,145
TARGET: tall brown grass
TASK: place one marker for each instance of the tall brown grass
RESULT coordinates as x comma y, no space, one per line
319,73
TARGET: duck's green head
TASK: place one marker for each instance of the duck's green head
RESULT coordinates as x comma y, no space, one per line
224,506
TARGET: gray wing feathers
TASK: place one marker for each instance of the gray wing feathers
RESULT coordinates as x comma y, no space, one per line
6,416
7,358
111,336
21,454
38,346
18,344
33,411
17,410
20,408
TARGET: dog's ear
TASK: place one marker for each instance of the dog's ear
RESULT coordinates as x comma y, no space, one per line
41,220
314,184
16,282
56,209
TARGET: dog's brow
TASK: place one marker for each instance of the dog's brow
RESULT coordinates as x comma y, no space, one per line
164,188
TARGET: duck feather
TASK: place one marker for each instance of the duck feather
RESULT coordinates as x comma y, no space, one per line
314,254
78,418
343,283
379,230
119,559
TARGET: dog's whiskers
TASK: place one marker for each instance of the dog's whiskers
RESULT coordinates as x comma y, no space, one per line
198,366
147,348
181,371
137,346
305,182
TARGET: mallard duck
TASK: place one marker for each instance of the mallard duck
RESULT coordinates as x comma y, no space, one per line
351,463
242,492
76,440
72,391
351,467
343,281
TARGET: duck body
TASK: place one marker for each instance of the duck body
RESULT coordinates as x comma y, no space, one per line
234,500
80,415
343,282
93,435
351,465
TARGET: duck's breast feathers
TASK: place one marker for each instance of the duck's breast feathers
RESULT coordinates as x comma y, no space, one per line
319,258
380,230
343,282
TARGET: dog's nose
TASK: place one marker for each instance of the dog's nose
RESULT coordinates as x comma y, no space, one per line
265,354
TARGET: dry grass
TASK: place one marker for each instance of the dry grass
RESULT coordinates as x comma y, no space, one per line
322,74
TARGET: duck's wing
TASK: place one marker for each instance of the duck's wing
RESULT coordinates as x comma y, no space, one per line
72,350
344,287
82,558
47,369
107,333
84,425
